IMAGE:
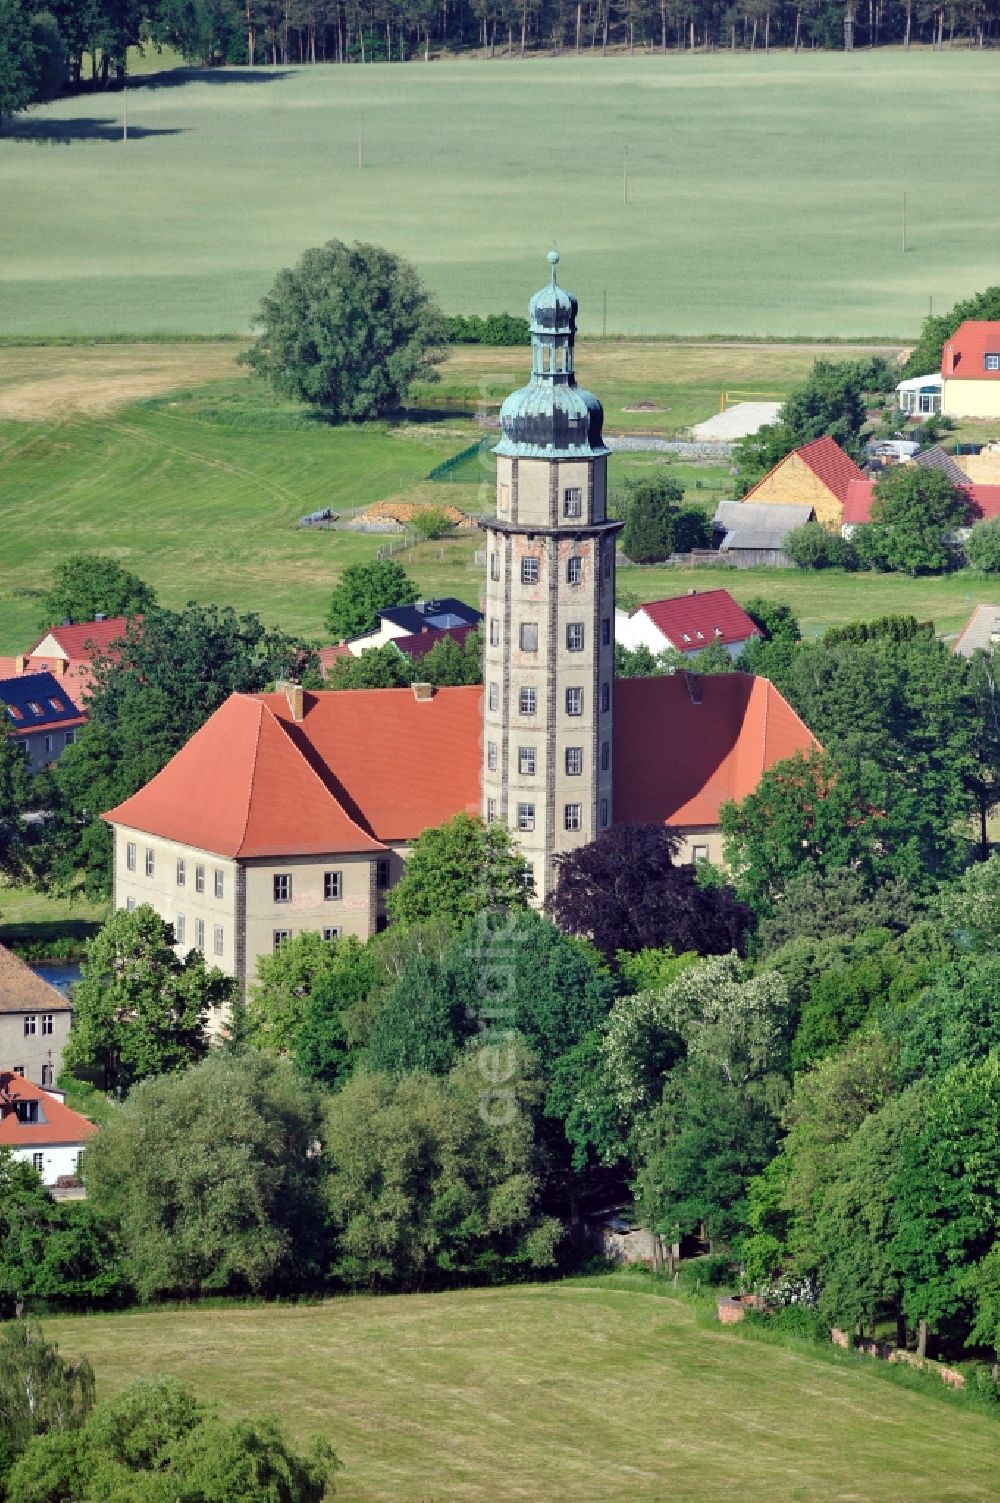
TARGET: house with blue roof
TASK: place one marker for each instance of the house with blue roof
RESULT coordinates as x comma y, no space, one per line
36,709
423,616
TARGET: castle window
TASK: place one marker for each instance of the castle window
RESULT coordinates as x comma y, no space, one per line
527,700
525,816
491,756
332,886
280,937
526,761
608,555
574,761
130,856
494,566
605,755
571,817
574,569
130,905
606,632
218,939
494,632
181,872
382,872
220,884
605,698
604,814
574,636
329,934
494,697
199,935
529,636
149,862
574,701
282,887
199,879
572,501
491,810
503,496
179,925
529,570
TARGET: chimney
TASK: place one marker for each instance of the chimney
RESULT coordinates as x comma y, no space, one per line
59,666
422,691
67,621
692,591
19,664
295,696
100,616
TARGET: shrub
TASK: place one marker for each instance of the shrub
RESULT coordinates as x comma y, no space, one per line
431,522
982,547
812,547
710,1272
792,1320
495,329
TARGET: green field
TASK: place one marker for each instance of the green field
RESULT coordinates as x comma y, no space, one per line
765,192
198,487
561,1392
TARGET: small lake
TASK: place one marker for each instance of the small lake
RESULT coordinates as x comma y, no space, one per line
62,976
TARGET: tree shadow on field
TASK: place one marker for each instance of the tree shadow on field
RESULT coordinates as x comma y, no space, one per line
175,78
86,128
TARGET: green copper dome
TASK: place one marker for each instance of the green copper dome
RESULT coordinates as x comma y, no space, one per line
552,417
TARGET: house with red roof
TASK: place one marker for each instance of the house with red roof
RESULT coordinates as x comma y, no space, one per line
983,505
39,1128
687,623
818,475
34,1022
970,370
295,810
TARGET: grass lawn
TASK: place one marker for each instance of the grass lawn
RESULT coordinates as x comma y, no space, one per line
26,915
561,1392
765,191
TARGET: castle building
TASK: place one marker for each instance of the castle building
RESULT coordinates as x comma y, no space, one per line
548,655
295,811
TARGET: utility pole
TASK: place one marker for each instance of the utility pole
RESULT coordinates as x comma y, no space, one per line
904,224
604,316
361,140
125,115
625,179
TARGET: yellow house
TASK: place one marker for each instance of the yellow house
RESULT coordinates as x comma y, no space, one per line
816,475
970,371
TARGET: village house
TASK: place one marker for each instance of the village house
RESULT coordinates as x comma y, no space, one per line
295,810
37,1127
404,621
817,475
983,505
968,385
34,1022
39,714
687,623
67,652
752,535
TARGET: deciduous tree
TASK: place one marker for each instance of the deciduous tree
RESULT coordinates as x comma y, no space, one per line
459,869
625,891
363,591
86,584
348,329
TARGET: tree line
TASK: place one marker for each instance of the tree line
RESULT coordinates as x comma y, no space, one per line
85,43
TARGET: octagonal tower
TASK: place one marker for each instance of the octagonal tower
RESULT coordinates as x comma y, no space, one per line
548,660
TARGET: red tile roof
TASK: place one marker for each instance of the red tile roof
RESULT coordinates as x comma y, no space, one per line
828,462
82,641
686,743
365,766
694,620
62,1127
400,763
418,644
329,655
23,990
964,355
242,786
984,502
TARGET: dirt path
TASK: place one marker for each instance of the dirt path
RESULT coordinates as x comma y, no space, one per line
44,382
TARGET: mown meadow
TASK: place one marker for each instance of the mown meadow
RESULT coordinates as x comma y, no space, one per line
764,192
591,1389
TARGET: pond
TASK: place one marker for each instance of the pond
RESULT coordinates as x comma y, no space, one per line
61,976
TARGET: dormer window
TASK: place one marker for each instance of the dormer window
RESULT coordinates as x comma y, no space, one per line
56,706
993,362
34,707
